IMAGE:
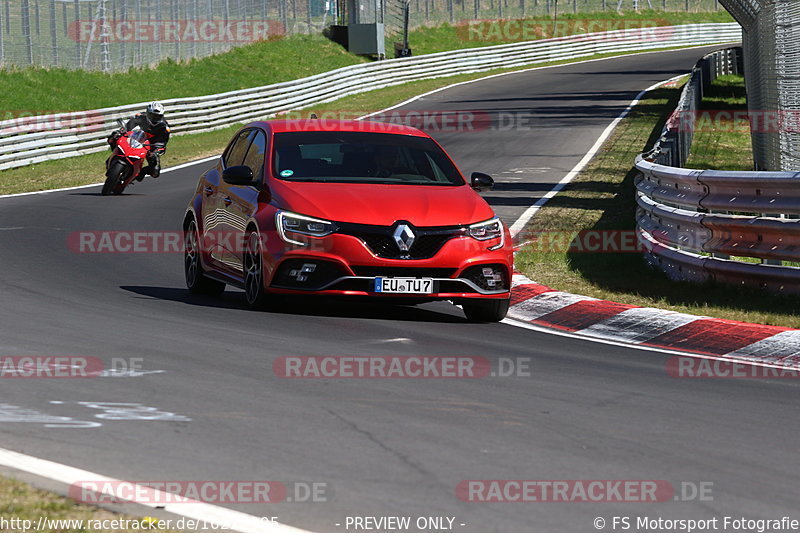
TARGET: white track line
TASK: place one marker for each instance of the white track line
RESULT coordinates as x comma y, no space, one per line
512,72
410,100
48,191
526,217
242,522
236,520
727,358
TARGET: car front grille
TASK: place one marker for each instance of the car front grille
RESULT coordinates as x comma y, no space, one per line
379,239
402,272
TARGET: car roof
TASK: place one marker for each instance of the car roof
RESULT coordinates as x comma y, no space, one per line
363,126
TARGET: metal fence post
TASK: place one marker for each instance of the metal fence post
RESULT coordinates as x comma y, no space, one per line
191,17
177,41
54,32
284,14
123,49
139,59
210,16
78,52
26,29
37,18
105,48
2,45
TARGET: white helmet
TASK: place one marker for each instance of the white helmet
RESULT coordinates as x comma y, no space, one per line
154,113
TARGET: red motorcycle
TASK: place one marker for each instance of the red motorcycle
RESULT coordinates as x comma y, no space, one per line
125,162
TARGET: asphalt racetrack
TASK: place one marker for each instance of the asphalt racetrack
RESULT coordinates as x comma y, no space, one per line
383,447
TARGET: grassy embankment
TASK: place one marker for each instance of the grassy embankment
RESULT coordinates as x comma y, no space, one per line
41,90
602,199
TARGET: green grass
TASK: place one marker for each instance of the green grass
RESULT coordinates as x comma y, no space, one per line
602,198
262,63
22,502
87,169
248,66
721,143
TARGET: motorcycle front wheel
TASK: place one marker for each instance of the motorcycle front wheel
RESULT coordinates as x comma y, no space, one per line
115,176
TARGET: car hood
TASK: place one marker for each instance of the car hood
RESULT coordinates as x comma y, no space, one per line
383,204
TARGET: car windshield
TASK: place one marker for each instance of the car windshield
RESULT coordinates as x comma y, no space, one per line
358,157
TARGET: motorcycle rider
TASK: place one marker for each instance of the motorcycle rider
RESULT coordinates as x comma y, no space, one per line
151,122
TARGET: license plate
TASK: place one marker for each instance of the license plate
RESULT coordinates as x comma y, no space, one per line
404,285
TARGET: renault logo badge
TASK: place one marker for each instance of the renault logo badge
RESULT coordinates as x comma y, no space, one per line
404,237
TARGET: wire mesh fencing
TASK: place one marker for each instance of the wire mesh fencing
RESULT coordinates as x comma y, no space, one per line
427,12
115,35
771,37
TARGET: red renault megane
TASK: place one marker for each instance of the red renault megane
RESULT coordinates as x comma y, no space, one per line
347,208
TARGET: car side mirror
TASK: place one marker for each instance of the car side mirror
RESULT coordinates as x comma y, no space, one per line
238,175
481,181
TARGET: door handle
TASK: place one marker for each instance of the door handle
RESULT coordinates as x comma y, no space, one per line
227,200
208,191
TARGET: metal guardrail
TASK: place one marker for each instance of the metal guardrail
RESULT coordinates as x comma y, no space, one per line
691,222
32,140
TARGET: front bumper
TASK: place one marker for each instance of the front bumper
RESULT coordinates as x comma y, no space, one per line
342,265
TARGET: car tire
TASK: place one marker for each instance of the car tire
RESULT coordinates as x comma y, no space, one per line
114,178
253,272
486,310
196,280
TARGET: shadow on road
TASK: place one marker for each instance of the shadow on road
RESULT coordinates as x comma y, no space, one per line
321,306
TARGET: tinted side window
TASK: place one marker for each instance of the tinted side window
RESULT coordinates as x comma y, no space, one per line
255,155
238,149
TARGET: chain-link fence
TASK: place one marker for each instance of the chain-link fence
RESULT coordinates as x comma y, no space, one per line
771,39
114,35
118,34
426,12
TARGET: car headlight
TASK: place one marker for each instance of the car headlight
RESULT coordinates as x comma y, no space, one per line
488,230
292,224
